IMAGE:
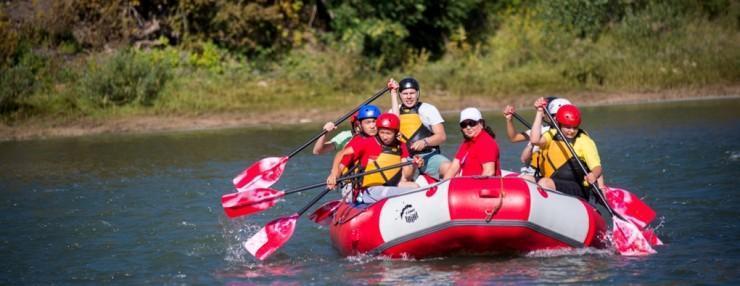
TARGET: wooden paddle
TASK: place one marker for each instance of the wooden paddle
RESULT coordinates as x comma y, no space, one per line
264,173
253,201
626,236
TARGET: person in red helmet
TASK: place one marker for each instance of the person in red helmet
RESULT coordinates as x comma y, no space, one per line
559,170
377,152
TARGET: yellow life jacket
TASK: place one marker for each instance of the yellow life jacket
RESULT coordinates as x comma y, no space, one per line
391,155
555,161
412,129
536,160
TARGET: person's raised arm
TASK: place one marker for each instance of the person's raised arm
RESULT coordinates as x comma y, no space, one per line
535,136
510,129
393,87
321,145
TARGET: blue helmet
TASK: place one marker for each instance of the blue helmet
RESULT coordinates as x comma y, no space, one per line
368,111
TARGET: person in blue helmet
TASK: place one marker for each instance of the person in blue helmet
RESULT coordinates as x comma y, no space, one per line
422,128
366,117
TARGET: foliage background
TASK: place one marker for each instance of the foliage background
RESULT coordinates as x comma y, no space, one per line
72,59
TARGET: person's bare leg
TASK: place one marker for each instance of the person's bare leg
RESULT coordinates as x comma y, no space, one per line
546,183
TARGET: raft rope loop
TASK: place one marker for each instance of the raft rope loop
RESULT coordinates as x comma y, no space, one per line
502,194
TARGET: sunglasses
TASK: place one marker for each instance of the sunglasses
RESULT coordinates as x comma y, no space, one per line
468,123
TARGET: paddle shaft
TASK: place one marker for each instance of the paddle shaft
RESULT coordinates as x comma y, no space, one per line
337,122
399,165
524,121
322,194
583,168
521,120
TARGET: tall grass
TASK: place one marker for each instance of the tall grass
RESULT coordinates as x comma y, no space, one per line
650,50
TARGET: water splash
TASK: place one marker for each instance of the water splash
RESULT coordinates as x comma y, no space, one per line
235,232
546,253
733,155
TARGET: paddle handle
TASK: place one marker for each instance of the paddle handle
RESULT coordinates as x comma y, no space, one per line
399,165
583,168
337,122
521,120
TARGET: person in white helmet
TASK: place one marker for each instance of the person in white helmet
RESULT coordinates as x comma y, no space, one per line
530,154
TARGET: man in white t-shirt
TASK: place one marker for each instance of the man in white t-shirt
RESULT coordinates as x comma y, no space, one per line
421,125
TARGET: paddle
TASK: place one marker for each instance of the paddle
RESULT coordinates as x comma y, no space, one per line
522,121
276,232
626,236
264,173
621,201
246,203
323,214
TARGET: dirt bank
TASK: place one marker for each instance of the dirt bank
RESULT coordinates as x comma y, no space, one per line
49,128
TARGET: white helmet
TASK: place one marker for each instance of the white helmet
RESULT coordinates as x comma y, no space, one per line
554,105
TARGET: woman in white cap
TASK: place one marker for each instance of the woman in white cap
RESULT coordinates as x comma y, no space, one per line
478,154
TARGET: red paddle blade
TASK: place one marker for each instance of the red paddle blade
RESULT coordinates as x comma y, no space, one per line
245,203
262,174
629,206
651,237
271,237
325,212
629,240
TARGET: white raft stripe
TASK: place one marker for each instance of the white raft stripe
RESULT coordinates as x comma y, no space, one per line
494,223
559,216
558,213
414,212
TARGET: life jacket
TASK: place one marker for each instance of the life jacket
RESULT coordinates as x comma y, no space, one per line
390,155
557,162
412,129
536,161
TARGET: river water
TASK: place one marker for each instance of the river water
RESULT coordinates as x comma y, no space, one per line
145,209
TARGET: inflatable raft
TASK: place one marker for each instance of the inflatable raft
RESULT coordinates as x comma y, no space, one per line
468,216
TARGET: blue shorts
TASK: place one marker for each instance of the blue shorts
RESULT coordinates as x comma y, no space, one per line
432,161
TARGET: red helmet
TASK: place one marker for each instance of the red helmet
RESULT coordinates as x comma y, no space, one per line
569,115
388,121
353,119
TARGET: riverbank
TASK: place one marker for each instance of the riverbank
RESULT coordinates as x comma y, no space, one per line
43,128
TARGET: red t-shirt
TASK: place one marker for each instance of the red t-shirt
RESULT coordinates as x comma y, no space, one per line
473,153
366,148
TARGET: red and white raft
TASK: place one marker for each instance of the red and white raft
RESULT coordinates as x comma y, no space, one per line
467,215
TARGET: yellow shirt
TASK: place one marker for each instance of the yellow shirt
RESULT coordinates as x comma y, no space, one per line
584,146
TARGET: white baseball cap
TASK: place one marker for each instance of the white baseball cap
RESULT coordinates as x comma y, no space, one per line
471,113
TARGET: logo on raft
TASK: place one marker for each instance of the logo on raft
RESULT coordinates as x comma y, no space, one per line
408,213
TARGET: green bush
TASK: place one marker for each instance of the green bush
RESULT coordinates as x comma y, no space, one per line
21,80
17,83
123,78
